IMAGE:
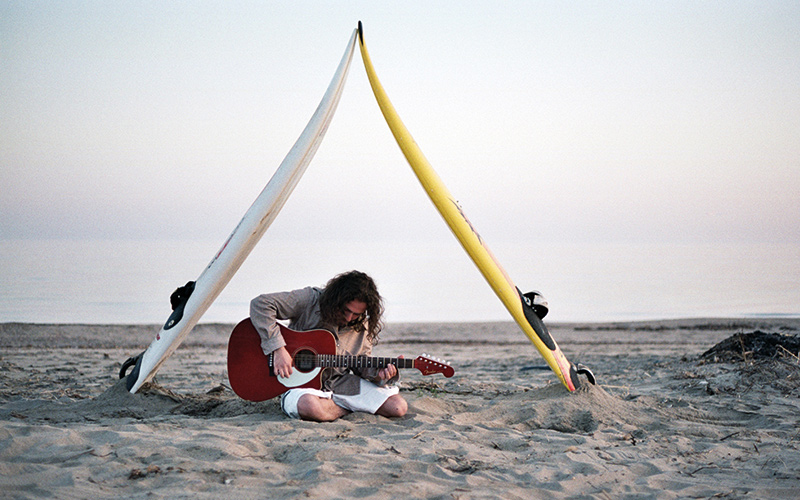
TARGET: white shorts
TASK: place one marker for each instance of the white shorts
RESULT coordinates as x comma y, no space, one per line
369,400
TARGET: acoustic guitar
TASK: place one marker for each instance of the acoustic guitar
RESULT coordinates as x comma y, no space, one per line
251,373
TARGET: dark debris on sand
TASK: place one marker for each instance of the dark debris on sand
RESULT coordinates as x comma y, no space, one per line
750,346
761,359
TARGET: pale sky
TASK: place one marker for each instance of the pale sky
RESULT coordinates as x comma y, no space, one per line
549,121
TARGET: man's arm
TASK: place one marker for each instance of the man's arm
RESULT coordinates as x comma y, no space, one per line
265,311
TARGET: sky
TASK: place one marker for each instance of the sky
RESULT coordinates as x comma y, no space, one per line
549,121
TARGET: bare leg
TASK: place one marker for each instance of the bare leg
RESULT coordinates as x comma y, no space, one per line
395,406
311,407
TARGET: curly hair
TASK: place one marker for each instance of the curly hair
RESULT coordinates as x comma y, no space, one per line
347,287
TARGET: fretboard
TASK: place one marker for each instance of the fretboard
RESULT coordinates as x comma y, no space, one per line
347,361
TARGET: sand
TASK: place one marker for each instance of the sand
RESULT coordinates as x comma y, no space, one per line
664,421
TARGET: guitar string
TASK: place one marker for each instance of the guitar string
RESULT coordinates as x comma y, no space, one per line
343,360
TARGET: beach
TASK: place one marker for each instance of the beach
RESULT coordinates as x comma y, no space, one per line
663,421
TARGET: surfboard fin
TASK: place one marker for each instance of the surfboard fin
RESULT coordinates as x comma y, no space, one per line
583,370
534,313
136,362
178,301
537,302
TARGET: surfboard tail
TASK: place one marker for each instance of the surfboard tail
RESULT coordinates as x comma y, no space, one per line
535,308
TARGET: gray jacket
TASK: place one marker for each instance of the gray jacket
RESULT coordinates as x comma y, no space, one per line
301,308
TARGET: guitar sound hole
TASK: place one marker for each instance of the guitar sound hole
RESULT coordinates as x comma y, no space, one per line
304,360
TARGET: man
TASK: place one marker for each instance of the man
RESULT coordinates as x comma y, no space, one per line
350,307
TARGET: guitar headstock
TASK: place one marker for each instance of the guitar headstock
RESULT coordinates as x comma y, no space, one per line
429,365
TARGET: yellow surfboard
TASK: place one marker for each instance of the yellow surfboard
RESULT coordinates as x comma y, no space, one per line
520,306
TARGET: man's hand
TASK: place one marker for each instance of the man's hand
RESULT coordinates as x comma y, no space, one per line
282,362
388,372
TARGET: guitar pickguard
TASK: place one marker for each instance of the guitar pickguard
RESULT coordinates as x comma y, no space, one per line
298,378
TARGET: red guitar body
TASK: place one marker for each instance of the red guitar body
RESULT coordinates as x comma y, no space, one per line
249,369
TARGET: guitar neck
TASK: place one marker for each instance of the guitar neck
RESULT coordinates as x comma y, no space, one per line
347,361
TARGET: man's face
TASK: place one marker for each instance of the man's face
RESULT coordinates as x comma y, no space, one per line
352,310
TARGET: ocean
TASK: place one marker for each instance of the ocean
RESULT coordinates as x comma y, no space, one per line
129,281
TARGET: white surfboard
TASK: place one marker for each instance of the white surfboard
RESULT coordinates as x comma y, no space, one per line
243,238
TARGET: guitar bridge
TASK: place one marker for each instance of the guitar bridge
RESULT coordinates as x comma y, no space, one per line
271,363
